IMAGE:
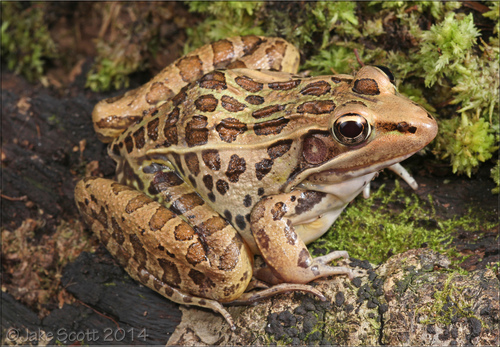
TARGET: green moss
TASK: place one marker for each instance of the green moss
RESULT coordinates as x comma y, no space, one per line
471,143
449,304
223,19
391,223
445,46
26,41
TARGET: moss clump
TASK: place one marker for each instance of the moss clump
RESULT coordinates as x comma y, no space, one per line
387,224
445,46
469,142
26,41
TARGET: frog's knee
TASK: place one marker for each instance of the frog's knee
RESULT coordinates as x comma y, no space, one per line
225,276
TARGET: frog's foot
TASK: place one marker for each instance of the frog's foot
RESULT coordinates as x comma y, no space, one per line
325,259
399,170
251,297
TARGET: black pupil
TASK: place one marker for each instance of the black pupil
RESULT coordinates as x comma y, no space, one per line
351,129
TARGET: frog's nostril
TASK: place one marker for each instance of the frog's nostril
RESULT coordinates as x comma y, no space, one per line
404,127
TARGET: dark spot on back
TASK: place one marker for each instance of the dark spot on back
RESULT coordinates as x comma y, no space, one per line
190,68
287,85
139,253
366,86
263,167
228,215
278,210
213,80
271,127
235,168
230,128
279,148
211,226
211,196
247,201
231,104
206,103
180,97
186,203
209,182
136,203
153,129
160,218
222,187
316,107
195,254
192,163
211,159
223,53
304,258
267,111
196,131
262,239
201,280
316,88
240,222
248,84
255,99
183,232
170,272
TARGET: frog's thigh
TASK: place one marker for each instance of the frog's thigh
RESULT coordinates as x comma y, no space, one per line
283,250
114,115
160,249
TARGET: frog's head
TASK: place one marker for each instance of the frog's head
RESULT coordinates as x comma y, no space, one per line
372,128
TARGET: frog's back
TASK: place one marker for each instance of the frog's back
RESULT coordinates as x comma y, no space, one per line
233,121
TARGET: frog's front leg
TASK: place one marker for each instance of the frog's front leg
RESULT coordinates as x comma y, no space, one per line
277,223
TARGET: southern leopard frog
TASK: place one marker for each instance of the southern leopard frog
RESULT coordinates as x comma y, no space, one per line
227,156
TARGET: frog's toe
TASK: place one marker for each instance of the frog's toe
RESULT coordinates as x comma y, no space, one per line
325,259
251,297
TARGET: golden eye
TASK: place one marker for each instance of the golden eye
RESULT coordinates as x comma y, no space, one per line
351,129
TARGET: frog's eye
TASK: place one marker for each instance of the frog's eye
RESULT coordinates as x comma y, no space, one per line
387,72
351,129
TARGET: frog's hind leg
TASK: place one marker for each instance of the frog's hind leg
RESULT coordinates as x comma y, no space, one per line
170,292
201,264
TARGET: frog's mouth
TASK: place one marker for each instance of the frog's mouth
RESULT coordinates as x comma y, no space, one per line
321,176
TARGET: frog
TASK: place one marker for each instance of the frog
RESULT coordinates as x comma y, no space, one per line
229,163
